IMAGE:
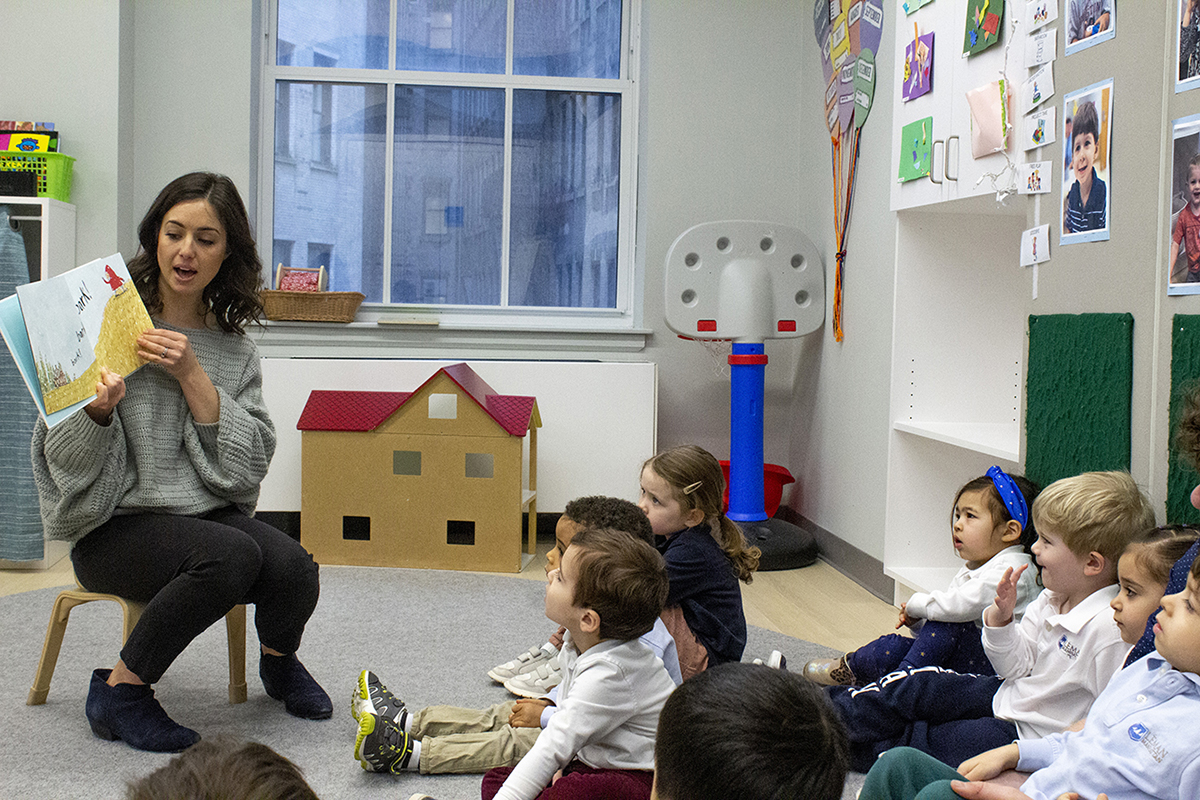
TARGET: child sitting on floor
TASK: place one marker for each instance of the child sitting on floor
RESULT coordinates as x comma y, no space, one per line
1139,742
450,739
992,532
750,732
1050,666
1142,575
607,591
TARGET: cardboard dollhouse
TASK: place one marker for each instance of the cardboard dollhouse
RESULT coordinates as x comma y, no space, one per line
433,478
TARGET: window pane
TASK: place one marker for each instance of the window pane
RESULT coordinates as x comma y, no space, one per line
451,36
447,200
329,197
352,34
575,39
565,179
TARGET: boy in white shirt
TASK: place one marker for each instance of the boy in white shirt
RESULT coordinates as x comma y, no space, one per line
1050,666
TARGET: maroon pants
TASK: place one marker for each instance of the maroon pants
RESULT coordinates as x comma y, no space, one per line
581,782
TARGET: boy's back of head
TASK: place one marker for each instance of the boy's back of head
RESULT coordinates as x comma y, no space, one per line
622,578
598,511
1086,121
1094,512
751,732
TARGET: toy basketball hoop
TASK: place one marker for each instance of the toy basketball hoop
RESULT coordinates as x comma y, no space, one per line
748,281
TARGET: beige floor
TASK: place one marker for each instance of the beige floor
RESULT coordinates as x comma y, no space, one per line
816,603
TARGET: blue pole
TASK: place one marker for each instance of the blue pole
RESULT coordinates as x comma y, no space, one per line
748,366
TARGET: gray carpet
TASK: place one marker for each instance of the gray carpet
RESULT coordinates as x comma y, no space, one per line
430,635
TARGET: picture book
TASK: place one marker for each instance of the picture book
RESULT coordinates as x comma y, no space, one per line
62,330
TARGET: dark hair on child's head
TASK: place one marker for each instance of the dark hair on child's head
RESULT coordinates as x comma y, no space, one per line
232,295
1187,432
621,578
1094,512
1085,121
1156,550
999,511
598,511
697,481
750,732
226,768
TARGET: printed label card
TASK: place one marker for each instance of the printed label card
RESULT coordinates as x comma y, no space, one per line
1034,177
1039,13
1037,87
1039,128
1035,245
1041,48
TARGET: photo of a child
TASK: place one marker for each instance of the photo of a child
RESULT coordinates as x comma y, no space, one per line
1090,22
1183,203
1188,45
1086,177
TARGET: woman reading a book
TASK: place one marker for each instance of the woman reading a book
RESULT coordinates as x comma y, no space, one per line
155,485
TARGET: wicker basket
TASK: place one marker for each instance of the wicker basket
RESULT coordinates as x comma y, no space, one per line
311,306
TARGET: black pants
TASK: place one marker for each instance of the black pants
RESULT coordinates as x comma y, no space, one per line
189,571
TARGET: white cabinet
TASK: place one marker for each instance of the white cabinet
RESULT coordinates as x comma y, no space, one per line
954,173
48,228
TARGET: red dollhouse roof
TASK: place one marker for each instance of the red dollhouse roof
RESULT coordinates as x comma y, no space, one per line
338,410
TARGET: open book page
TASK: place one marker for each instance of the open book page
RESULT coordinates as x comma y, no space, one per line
73,324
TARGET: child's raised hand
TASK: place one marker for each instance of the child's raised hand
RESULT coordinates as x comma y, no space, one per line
527,713
1000,612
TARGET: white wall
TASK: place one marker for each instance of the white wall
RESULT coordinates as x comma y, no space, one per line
732,130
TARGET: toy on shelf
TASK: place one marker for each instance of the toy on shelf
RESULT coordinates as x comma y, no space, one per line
748,281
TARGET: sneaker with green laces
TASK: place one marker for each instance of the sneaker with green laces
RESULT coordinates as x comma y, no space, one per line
372,697
381,745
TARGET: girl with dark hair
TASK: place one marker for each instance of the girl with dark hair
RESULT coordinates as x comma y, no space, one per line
155,485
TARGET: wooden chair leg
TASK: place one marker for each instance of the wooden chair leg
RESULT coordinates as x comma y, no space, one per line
54,638
235,627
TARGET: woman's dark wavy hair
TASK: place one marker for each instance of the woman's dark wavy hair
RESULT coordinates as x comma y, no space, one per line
233,294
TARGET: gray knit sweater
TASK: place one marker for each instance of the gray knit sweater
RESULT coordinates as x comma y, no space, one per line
154,457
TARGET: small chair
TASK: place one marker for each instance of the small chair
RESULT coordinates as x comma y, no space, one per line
235,625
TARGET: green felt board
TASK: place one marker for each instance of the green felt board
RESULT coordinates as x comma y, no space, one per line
1185,371
1078,395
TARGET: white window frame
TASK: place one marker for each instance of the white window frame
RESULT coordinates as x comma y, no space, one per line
591,328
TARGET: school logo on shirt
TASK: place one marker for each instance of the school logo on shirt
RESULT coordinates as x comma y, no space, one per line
1140,733
1069,650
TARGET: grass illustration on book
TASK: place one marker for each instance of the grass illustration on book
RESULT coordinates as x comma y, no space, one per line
62,330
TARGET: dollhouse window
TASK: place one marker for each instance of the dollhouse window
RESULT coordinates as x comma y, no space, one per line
443,406
406,462
356,529
479,465
460,531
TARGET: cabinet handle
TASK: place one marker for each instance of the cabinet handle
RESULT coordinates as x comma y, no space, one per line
946,159
932,159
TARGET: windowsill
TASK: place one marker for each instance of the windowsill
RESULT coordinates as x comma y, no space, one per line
279,339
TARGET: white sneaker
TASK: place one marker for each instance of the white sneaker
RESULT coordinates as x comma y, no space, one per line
776,660
536,682
530,660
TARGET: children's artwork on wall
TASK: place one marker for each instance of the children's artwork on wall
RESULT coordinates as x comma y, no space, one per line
1034,177
1039,13
916,146
918,66
1187,45
910,6
1087,175
1183,206
983,25
1039,128
1041,48
1037,87
1090,22
1035,245
989,118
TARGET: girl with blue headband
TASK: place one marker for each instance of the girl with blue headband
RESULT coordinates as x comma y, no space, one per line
992,532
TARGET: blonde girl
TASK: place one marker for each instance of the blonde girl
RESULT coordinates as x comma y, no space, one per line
705,552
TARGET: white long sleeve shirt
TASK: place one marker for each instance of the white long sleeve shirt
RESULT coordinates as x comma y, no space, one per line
608,706
972,590
1054,665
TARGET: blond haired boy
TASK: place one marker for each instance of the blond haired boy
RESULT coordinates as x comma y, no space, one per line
1050,666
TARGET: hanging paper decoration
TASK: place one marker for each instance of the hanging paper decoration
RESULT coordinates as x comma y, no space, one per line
848,32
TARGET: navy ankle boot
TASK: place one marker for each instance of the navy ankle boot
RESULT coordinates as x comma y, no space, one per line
130,713
286,679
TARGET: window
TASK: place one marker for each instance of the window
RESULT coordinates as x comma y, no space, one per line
469,158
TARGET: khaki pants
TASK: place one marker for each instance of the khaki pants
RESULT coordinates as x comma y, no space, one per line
465,740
